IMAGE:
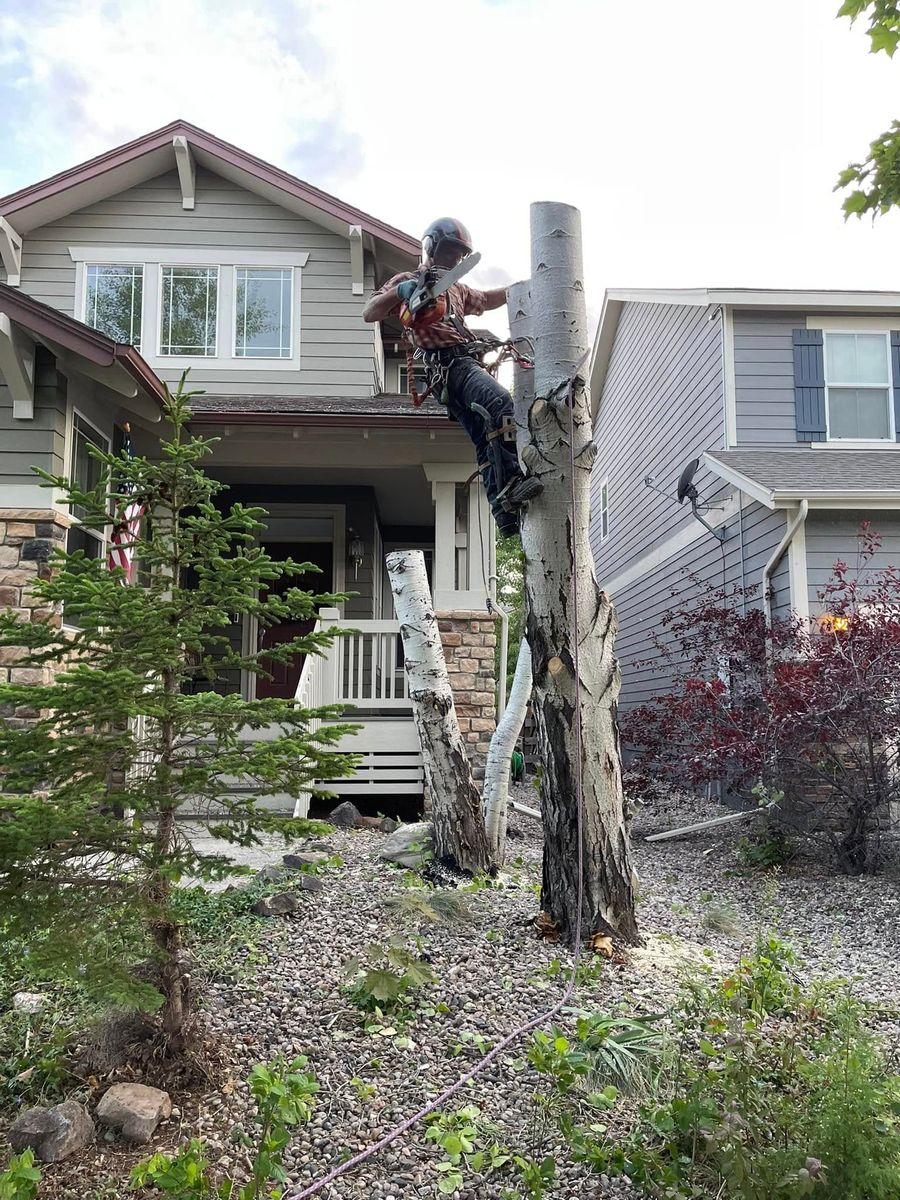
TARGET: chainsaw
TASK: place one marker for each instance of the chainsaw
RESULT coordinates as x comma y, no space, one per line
425,305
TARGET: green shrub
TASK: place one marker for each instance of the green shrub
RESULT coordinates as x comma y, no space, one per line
386,975
21,1178
768,1092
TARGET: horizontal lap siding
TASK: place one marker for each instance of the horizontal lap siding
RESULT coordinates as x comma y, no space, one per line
38,442
834,535
661,406
336,347
764,379
641,604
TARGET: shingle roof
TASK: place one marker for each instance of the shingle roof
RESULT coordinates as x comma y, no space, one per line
383,405
787,474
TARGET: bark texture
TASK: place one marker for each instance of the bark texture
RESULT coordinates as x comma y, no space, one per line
457,816
551,531
496,775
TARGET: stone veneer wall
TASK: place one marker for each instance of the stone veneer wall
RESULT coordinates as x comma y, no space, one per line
27,538
469,640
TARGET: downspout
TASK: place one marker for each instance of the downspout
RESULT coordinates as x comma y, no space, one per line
770,566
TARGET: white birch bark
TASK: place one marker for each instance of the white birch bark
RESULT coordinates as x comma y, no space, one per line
457,816
552,529
497,768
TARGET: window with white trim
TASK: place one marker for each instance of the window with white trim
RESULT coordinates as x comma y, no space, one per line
114,300
858,388
262,312
86,473
604,510
189,311
230,308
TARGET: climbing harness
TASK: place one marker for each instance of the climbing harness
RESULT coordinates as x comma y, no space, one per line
567,388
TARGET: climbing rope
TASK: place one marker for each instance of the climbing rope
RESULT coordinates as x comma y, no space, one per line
567,388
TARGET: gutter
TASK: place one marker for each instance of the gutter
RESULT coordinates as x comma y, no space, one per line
774,560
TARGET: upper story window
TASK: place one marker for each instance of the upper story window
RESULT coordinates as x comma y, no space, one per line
182,305
859,403
189,311
114,300
263,311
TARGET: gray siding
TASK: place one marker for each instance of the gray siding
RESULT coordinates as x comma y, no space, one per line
833,535
764,379
641,605
39,442
337,348
661,406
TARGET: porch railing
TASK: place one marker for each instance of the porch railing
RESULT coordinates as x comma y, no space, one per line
362,669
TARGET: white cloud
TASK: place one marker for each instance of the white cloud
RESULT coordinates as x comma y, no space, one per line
701,140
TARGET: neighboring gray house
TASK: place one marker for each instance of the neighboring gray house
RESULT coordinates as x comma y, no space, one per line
179,250
791,402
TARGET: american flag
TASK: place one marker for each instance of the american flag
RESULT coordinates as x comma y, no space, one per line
129,512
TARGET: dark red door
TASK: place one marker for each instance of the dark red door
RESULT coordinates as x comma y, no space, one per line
286,675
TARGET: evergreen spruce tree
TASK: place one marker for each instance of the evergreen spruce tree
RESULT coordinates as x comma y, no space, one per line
120,736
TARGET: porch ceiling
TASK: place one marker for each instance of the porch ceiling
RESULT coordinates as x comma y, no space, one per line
402,493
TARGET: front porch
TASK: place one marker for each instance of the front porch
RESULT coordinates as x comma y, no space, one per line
342,498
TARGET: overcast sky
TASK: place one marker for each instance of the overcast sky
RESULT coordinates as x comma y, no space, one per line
700,139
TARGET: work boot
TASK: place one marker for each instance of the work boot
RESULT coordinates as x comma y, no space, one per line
507,523
519,491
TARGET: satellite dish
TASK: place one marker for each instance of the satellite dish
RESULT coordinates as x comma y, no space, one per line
686,489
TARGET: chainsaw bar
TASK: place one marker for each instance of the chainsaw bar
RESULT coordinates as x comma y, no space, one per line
427,292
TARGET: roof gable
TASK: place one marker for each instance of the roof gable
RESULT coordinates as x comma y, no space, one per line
154,154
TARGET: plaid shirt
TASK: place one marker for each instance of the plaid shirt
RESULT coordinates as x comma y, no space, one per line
464,301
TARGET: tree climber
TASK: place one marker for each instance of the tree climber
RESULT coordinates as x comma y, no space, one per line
433,323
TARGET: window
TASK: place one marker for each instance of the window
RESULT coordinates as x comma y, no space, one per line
86,473
114,300
189,311
604,510
859,402
262,326
418,377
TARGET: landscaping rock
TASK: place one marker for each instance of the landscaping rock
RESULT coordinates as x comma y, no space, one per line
271,874
306,858
323,846
53,1133
276,906
29,1002
309,883
345,816
134,1109
388,825
410,845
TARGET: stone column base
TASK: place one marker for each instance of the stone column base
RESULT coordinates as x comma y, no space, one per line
469,640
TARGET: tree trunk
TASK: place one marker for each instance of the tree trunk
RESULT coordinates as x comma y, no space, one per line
459,833
496,774
554,536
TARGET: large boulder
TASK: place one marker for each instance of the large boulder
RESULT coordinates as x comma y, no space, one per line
345,816
410,845
52,1133
134,1109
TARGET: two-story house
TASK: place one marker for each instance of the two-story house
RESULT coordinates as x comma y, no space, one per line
179,251
791,402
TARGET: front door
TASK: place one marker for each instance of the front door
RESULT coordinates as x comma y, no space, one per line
286,675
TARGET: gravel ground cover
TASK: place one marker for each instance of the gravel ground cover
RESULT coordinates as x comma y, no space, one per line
493,973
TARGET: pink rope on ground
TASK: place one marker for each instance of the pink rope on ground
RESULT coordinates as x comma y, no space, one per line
448,1093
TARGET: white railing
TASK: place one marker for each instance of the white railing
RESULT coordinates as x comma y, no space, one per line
362,669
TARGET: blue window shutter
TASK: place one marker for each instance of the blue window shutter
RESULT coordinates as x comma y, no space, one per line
895,373
809,384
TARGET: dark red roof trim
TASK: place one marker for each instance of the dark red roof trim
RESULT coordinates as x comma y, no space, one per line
45,322
121,155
